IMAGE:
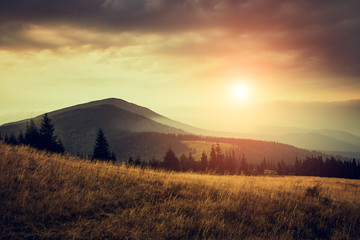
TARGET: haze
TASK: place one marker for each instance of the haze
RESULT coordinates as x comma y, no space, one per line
299,59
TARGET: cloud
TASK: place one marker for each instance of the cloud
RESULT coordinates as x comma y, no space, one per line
317,35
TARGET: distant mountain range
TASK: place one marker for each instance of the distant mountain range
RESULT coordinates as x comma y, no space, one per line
133,130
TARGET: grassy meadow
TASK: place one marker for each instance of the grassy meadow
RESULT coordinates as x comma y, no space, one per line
46,196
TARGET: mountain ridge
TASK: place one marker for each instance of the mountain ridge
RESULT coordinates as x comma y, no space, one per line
77,126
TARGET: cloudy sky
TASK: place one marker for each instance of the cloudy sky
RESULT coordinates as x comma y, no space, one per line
191,60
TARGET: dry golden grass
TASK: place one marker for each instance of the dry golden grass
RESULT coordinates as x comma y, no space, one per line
46,196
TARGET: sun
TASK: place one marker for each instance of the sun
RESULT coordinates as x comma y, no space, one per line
241,92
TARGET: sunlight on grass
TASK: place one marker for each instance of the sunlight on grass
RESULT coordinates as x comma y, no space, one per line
51,196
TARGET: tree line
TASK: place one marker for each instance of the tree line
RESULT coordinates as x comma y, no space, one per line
217,162
43,138
220,163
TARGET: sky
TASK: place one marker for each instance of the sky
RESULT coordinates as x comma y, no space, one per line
209,63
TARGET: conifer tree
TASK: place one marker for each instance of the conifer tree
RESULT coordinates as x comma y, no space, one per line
12,140
47,138
171,161
0,137
137,161
130,161
32,137
204,161
212,161
21,139
219,159
59,147
101,148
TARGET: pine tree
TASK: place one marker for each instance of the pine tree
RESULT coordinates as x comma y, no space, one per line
130,161
204,161
101,147
21,139
0,137
137,161
219,159
47,138
171,161
59,147
32,137
12,140
212,161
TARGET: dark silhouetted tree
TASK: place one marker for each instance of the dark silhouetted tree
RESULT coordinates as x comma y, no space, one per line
204,161
1,137
12,139
212,161
101,148
6,139
170,161
59,147
21,139
47,138
48,141
230,163
137,161
219,159
130,161
32,136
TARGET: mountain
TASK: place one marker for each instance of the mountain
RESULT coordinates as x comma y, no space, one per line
134,130
77,126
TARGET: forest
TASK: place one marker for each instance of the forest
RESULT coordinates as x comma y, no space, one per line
217,162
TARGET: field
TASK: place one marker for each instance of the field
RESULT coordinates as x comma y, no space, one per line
46,196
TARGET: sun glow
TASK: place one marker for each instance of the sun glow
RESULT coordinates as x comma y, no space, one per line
241,92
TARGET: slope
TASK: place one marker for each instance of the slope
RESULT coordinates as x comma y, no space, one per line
54,197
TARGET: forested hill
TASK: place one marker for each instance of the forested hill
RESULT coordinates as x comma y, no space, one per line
132,130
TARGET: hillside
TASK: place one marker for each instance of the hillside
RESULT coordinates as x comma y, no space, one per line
77,126
137,131
50,197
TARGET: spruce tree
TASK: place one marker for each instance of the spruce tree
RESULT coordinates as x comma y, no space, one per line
32,137
101,148
21,139
171,161
204,161
12,139
59,147
212,161
219,159
48,140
